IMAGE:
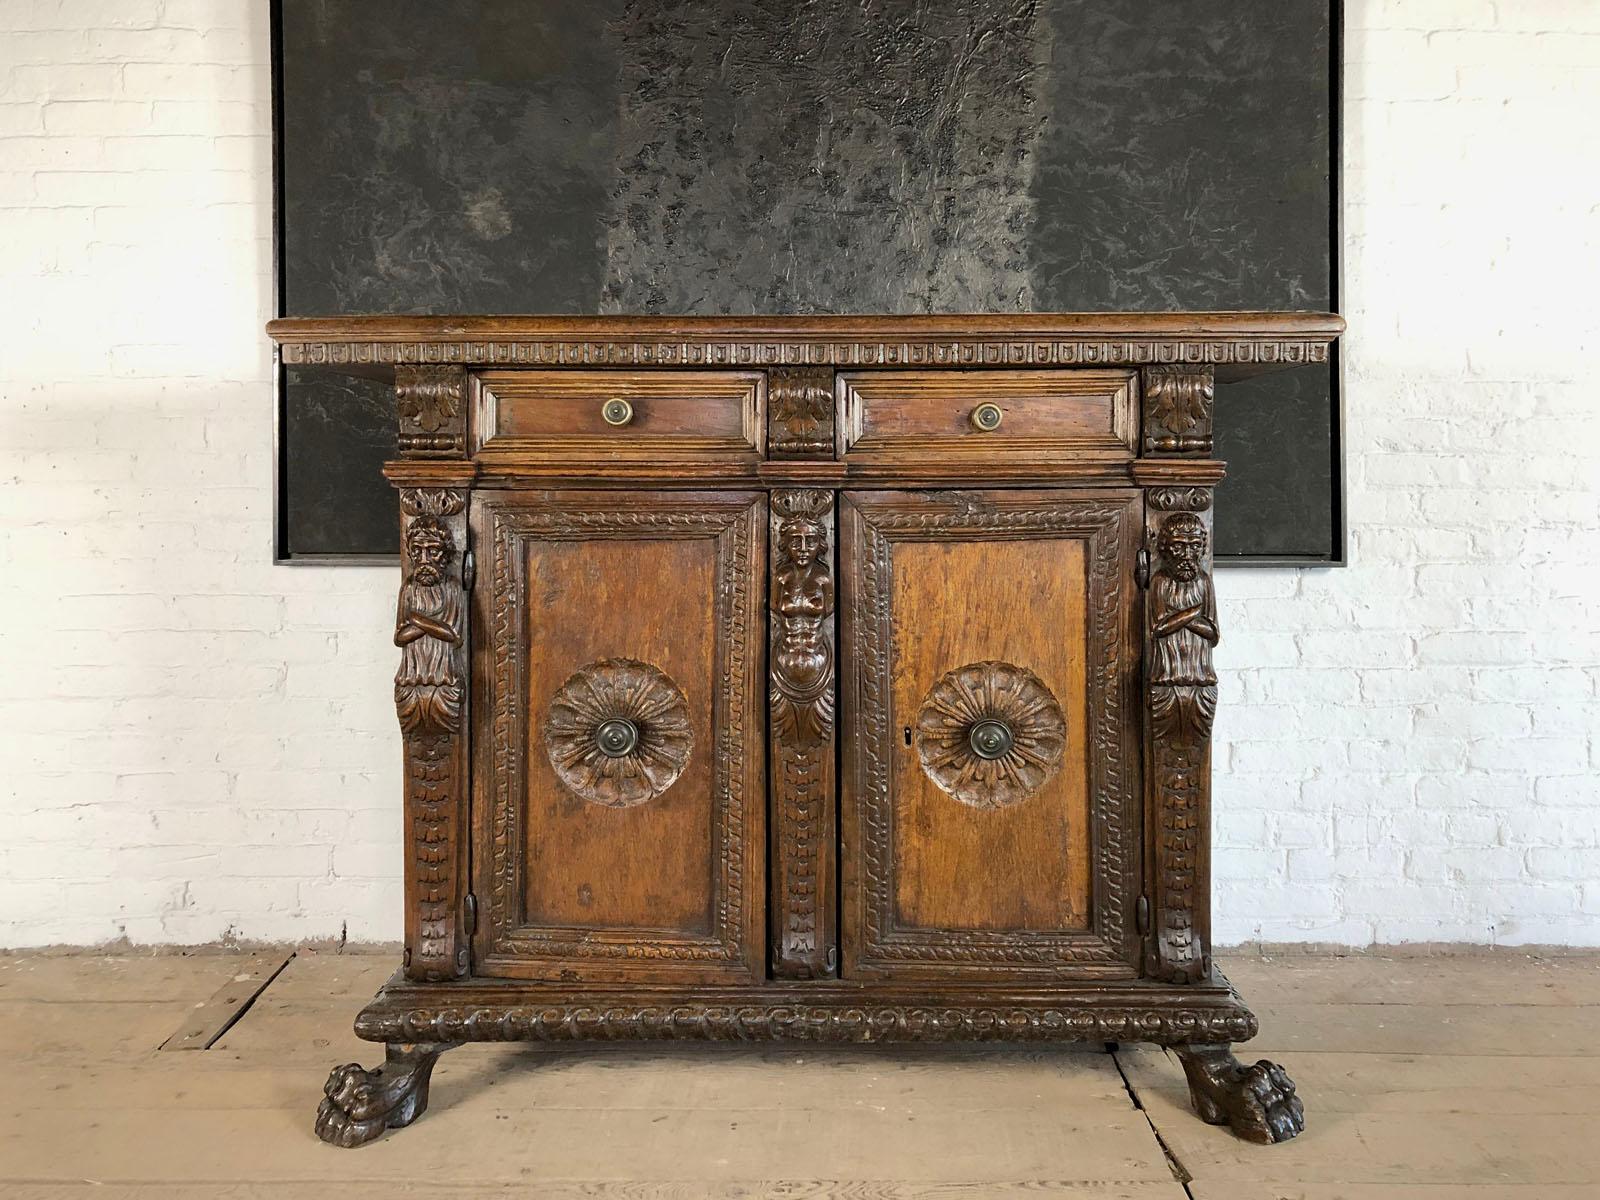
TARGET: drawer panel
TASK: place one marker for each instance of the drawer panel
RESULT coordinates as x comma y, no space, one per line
922,420
558,419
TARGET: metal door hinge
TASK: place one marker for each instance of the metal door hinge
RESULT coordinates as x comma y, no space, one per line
469,913
1141,915
1141,568
469,569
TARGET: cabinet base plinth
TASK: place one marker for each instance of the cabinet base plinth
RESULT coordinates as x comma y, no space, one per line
824,1011
420,1020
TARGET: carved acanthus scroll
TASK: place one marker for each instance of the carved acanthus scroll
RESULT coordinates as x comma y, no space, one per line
430,698
801,701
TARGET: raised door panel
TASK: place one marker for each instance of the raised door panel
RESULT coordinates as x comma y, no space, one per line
619,816
990,801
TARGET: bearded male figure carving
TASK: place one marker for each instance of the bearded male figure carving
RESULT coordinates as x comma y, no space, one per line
427,691
802,663
1183,683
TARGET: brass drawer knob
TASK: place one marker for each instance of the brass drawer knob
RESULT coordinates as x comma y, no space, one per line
616,738
986,418
616,411
990,739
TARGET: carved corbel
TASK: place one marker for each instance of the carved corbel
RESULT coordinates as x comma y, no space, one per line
430,694
1178,409
800,412
431,404
801,733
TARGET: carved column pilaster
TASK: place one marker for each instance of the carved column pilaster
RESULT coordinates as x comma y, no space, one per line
430,695
1180,681
801,734
431,692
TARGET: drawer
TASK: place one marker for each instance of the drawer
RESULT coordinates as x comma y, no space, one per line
628,422
925,422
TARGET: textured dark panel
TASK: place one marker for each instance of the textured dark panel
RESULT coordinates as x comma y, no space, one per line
835,156
821,156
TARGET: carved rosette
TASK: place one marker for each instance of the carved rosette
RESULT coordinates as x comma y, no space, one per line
618,732
801,704
800,410
990,734
430,401
430,700
1178,409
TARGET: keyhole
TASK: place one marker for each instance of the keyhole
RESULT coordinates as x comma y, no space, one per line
908,735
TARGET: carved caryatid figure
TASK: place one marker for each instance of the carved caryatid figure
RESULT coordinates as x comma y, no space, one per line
427,688
802,653
1184,628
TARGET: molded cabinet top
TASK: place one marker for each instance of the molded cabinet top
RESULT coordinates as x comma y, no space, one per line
1237,343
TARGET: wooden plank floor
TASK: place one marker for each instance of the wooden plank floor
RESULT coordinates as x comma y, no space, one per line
1423,1078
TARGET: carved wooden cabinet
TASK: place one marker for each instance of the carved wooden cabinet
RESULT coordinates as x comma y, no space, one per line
824,678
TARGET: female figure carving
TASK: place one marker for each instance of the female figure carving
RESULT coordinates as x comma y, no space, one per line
802,654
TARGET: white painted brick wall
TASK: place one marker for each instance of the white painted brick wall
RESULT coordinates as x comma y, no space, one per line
199,744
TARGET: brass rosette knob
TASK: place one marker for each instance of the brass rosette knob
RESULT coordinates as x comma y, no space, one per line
618,733
990,734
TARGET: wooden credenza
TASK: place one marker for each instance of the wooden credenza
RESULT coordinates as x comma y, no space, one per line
844,679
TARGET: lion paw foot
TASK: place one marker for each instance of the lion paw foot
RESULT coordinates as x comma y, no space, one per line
358,1105
1257,1102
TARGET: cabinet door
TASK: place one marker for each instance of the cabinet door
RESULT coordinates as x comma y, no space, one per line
990,782
618,808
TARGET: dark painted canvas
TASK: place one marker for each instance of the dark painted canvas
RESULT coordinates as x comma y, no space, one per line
849,156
